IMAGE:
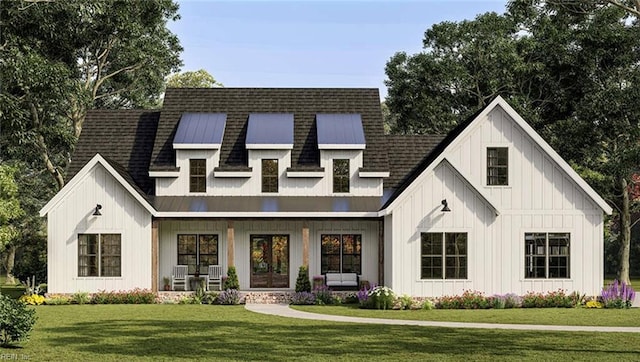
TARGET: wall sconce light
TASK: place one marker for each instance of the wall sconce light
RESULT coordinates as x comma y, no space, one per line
445,206
96,212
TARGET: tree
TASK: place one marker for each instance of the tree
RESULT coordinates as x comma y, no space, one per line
10,211
196,79
99,54
572,74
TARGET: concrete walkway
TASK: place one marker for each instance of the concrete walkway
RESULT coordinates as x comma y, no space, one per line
283,310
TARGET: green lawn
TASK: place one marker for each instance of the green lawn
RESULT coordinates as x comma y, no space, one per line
203,332
547,316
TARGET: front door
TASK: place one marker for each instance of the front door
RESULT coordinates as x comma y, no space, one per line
269,261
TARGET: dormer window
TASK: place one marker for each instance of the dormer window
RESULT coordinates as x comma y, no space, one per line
340,176
497,166
269,175
197,175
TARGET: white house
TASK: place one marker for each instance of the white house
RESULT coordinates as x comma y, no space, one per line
268,180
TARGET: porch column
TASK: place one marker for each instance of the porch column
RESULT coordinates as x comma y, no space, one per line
381,252
230,243
154,256
305,245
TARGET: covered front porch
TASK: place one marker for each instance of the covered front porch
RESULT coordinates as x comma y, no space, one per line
267,252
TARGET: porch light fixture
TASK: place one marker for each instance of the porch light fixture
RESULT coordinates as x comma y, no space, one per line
445,206
96,212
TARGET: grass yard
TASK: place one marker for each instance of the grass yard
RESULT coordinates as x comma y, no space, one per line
546,316
204,332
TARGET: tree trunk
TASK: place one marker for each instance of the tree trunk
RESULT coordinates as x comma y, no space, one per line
11,258
625,233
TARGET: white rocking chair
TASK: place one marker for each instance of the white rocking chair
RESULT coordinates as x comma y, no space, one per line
179,277
215,276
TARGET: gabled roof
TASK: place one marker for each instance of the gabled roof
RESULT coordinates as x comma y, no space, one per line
123,137
436,155
124,180
304,103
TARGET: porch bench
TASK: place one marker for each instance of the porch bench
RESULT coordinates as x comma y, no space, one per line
341,280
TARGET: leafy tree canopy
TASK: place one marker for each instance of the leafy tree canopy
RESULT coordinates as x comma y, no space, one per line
194,79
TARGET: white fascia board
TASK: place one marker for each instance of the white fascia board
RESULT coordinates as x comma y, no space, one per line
83,173
232,174
365,174
196,146
333,146
303,174
269,146
551,152
267,214
159,174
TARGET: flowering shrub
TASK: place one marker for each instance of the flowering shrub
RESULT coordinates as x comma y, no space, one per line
594,304
323,295
135,296
33,299
80,298
617,295
380,298
404,302
468,300
557,299
363,294
427,304
301,298
229,297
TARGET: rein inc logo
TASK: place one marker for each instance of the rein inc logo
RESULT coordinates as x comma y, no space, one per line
13,357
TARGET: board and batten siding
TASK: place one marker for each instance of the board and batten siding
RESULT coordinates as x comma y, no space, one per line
243,229
252,186
121,214
540,197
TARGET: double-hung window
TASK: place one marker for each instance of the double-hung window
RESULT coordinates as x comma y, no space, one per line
546,255
497,166
197,175
443,255
197,252
340,176
341,253
99,255
269,175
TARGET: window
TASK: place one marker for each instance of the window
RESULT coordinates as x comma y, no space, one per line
443,255
497,166
99,255
341,253
197,252
269,175
340,175
197,175
546,255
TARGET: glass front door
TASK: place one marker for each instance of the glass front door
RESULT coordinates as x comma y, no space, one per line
269,261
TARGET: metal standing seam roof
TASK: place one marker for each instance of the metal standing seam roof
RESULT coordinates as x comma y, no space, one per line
200,130
336,130
270,130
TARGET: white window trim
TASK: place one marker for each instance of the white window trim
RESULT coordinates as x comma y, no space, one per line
510,179
99,232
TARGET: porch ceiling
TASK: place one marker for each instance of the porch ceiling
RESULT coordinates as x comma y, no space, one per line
266,204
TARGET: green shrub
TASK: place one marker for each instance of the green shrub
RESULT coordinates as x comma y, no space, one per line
381,298
232,279
135,296
302,283
210,298
229,297
427,304
323,294
405,302
468,300
80,298
16,320
57,300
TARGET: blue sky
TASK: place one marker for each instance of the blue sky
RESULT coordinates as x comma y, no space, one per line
309,43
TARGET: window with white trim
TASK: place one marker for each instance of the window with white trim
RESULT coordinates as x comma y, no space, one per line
443,255
497,166
546,255
340,176
197,252
99,255
197,175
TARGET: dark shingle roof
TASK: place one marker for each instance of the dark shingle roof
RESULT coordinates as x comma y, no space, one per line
304,103
124,138
405,154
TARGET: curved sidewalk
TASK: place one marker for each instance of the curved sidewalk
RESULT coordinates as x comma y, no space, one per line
283,310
